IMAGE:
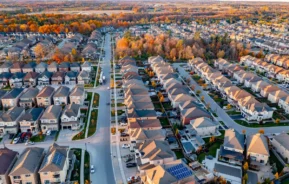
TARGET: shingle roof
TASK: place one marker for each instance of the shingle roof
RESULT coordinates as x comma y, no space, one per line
31,114
6,158
12,114
52,112
283,139
62,91
77,91
47,91
30,93
13,93
234,139
202,122
71,110
257,144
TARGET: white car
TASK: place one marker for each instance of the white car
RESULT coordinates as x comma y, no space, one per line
29,142
123,124
15,141
48,132
125,146
92,169
108,88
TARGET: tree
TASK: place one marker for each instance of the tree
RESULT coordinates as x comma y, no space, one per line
277,121
202,98
229,106
276,176
198,92
154,84
246,166
212,139
216,97
261,131
188,80
193,87
40,51
244,132
221,54
208,105
74,52
162,99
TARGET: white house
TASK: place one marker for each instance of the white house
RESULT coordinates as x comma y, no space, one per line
276,95
9,120
284,103
70,117
204,126
257,150
281,145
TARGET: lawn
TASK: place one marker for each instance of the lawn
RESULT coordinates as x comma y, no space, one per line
93,122
154,98
75,175
119,112
1,139
118,105
233,113
215,114
269,124
95,100
157,106
277,115
273,159
196,77
89,96
38,138
179,154
167,105
212,151
222,123
207,140
86,167
164,121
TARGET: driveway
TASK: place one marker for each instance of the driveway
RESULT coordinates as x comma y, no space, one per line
50,137
66,135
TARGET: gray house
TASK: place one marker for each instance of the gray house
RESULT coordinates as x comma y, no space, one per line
53,67
75,67
5,67
28,99
61,95
30,79
50,119
41,67
44,98
29,67
29,121
7,160
83,77
45,78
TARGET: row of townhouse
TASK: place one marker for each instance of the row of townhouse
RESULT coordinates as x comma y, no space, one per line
155,160
39,119
34,165
17,67
31,97
250,108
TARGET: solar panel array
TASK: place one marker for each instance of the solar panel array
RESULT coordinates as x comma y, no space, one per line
180,171
57,158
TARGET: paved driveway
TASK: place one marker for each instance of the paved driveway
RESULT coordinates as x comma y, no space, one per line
50,138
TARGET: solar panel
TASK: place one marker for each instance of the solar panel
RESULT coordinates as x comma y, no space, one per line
179,171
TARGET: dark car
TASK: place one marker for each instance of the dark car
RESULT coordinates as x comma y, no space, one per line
124,134
128,165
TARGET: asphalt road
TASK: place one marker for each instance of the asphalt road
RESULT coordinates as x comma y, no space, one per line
222,115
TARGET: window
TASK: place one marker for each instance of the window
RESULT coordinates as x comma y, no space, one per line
16,177
27,175
46,182
45,173
28,182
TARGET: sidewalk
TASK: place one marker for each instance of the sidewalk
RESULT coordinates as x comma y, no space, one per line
115,161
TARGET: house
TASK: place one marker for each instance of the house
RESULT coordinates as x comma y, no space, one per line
30,79
75,67
50,118
241,76
70,78
2,93
204,126
60,96
4,79
53,67
9,120
250,81
83,77
86,66
258,85
284,103
153,152
55,166
134,124
44,78
193,113
17,67
7,160
29,67
11,98
174,172
233,148
57,78
220,63
141,114
5,67
280,144
28,98
176,100
16,81
274,96
77,96
64,67
268,89
44,98
26,167
140,105
257,111
41,67
139,135
70,117
30,120
257,150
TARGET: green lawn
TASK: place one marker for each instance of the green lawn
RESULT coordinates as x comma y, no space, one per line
273,159
157,106
86,167
196,77
179,154
1,139
233,113
222,123
269,124
154,98
38,138
75,175
207,140
212,151
164,121
277,115
93,122
167,105
89,96
95,102
118,105
119,112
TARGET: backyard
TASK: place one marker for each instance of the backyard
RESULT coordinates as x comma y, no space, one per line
274,160
211,151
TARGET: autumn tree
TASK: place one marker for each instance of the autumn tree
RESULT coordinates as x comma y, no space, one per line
246,166
221,54
261,131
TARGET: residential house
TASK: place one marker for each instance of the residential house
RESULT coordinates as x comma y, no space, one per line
16,67
60,96
252,80
193,113
70,78
52,67
256,111
232,151
44,98
204,126
30,120
274,96
220,63
232,68
241,76
57,78
7,160
41,67
141,114
176,100
5,67
44,78
64,67
134,124
77,96
30,79
283,76
11,98
140,135
140,105
28,98
280,144
4,79
284,103
83,77
258,85
86,66
257,150
70,117
54,168
29,67
75,67
26,167
268,89
9,120
2,93
50,118
16,81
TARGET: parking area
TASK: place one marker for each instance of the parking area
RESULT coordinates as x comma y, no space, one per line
66,135
51,136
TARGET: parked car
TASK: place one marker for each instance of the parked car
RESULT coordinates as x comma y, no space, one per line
123,124
128,165
92,169
16,140
125,146
29,142
48,132
124,134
